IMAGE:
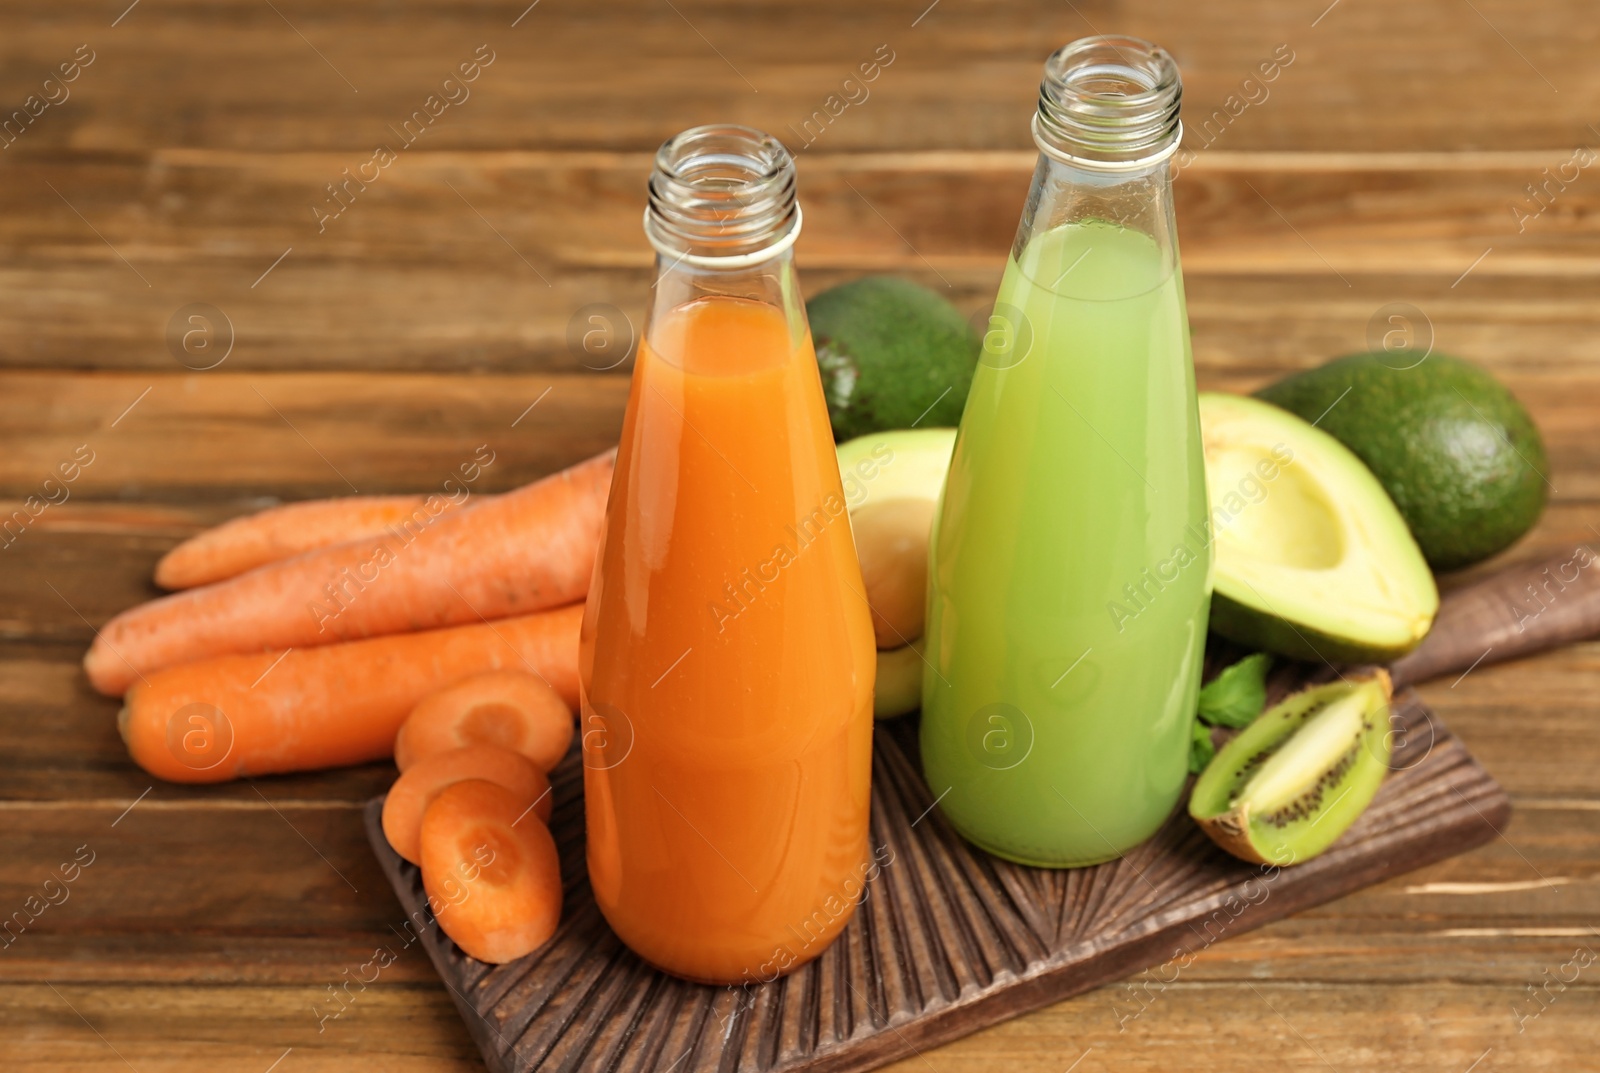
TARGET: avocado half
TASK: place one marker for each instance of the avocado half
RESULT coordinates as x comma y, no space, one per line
898,687
1312,559
899,464
878,469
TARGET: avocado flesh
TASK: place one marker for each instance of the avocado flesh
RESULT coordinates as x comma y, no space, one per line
898,687
899,464
1455,450
1293,781
882,467
1312,559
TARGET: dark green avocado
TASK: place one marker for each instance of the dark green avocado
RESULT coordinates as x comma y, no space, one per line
891,353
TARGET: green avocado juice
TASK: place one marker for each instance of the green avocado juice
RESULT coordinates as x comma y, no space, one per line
1069,570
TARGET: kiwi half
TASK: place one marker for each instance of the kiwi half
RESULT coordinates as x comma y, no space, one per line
1295,779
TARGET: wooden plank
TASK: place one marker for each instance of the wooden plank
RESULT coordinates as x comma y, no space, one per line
194,886
488,261
1204,1027
261,864
404,320
299,434
1520,718
306,434
566,212
1269,1026
201,1027
616,73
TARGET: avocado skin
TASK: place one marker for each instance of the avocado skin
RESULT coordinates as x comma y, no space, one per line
887,348
1260,630
1422,431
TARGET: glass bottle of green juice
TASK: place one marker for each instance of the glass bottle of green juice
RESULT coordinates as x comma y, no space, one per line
1070,565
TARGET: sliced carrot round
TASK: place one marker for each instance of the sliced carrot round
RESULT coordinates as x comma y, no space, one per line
513,709
491,871
409,796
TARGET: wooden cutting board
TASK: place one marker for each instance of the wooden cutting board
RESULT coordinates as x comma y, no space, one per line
948,939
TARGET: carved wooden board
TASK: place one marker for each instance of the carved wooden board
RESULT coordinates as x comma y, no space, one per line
947,940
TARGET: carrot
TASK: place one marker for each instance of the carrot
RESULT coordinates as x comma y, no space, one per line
522,551
510,708
492,875
412,791
221,718
245,543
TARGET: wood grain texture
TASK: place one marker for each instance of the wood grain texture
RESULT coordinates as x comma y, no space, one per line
200,436
1414,1028
624,74
217,891
947,939
1527,608
1395,144
481,260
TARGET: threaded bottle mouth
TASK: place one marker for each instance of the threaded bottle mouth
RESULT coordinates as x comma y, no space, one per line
722,196
1109,101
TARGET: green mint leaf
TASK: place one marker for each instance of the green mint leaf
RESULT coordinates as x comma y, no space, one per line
1236,696
1200,748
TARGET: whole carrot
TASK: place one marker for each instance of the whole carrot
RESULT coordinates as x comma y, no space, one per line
261,714
266,536
523,551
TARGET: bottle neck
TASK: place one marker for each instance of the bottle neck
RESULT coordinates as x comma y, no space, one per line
722,198
1064,194
723,219
1109,103
1106,127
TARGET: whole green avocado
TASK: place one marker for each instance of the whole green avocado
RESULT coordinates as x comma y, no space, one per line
1453,448
891,353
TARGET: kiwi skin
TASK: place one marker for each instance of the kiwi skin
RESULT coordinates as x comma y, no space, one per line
1229,823
1228,831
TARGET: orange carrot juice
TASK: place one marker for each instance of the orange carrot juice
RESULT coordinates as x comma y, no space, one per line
727,657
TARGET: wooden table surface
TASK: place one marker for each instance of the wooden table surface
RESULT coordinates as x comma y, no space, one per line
187,162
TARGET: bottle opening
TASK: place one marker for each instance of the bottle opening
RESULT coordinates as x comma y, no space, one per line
722,196
1109,101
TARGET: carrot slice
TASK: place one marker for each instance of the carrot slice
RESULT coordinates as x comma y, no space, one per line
509,708
315,708
266,536
492,875
511,554
409,796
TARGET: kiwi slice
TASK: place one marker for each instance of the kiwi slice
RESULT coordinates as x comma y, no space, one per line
1294,780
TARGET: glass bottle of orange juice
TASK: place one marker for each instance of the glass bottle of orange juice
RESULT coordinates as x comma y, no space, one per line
727,653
